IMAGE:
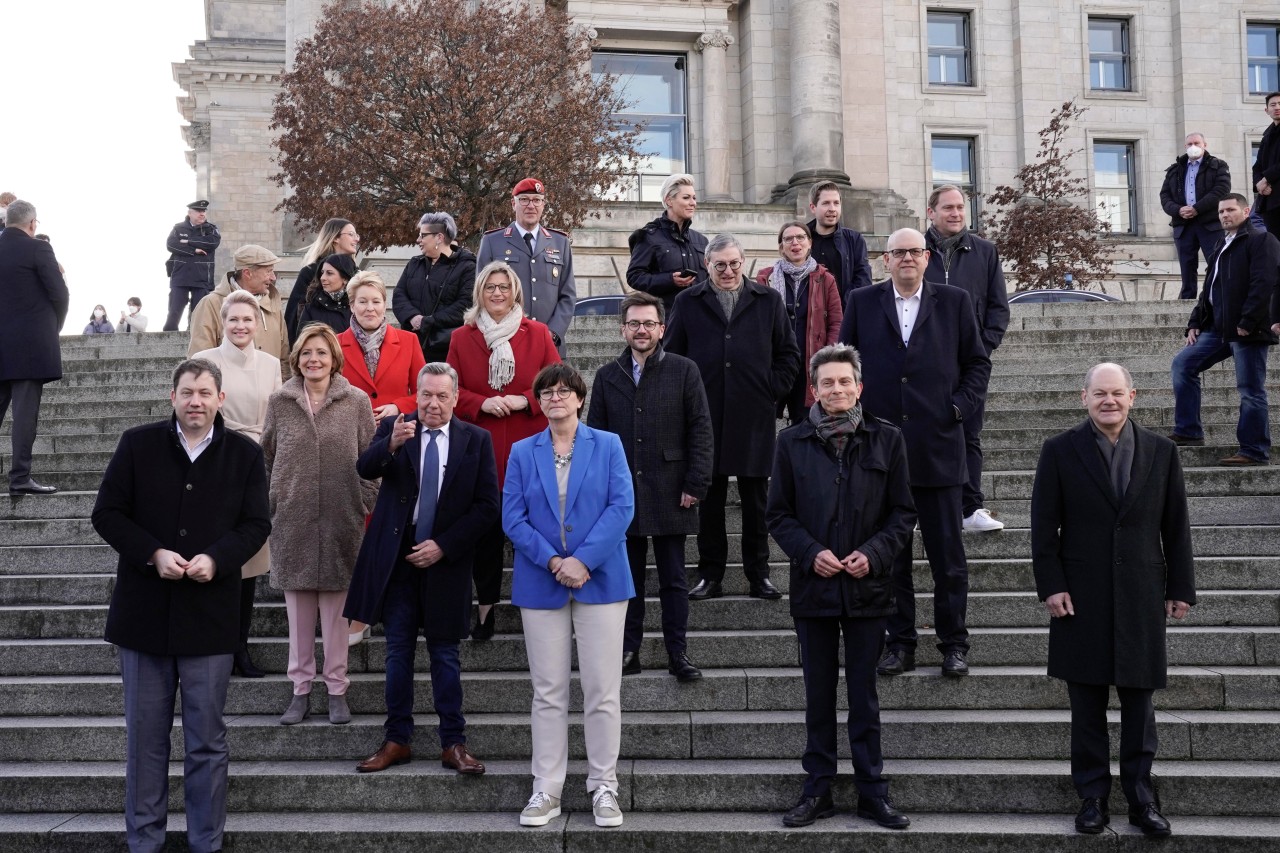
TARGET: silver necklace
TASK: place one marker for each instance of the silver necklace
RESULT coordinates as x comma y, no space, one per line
564,459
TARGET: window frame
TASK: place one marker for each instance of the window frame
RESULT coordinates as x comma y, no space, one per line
1249,91
972,49
1125,55
972,189
1132,143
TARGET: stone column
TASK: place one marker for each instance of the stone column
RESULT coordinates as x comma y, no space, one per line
817,102
715,113
300,23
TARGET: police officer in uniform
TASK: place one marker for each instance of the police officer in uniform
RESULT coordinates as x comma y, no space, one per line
540,256
191,245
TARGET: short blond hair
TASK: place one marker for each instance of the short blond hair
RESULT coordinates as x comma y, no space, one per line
477,303
368,278
313,330
238,297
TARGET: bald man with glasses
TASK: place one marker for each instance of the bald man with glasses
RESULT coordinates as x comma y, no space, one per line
928,350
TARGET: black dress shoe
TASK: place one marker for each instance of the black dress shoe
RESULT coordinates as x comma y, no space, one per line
1148,818
954,665
31,487
1093,816
630,663
682,668
896,662
809,809
484,627
882,812
765,589
704,590
243,665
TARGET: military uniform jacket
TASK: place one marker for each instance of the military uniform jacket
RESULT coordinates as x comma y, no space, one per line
546,275
186,269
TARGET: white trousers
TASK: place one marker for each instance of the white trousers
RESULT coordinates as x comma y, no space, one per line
547,638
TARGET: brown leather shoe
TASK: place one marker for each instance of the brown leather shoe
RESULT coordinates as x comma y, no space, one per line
1239,460
389,754
459,759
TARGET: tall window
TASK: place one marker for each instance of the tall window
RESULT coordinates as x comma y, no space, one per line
653,85
1264,58
1109,54
953,163
949,49
1114,186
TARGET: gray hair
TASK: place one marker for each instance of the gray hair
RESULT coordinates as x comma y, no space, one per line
1128,377
19,213
724,241
835,354
673,183
438,368
1203,138
441,223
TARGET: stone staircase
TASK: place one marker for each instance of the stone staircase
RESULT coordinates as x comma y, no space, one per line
980,763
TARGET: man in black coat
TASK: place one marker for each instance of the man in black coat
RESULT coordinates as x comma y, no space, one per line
927,375
36,301
1233,319
184,503
962,259
1192,188
413,573
738,334
655,402
841,250
1266,169
191,245
840,507
1111,551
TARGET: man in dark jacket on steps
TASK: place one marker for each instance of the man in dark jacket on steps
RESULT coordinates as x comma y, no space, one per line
1193,186
840,506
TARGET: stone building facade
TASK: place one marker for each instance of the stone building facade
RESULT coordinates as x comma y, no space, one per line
758,99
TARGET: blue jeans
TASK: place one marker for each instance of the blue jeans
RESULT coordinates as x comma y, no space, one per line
1253,430
401,622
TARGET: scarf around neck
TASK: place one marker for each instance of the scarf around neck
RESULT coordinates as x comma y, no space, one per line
336,301
835,430
370,342
784,269
947,245
497,336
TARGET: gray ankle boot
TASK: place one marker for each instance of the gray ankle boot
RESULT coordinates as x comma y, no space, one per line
339,713
299,710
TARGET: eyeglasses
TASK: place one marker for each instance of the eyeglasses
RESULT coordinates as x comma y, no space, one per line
530,200
637,325
555,393
494,288
899,254
425,234
795,238
721,266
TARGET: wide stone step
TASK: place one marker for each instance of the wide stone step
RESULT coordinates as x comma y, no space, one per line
1221,688
1155,417
998,441
1259,510
1154,367
1201,482
1166,345
1222,376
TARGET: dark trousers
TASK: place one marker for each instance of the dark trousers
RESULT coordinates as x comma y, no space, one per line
1091,748
179,300
972,499
25,395
939,512
673,591
792,405
1271,217
486,572
713,540
150,684
820,660
402,620
248,588
1192,241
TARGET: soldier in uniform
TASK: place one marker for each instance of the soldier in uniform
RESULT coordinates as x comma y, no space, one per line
540,256
191,245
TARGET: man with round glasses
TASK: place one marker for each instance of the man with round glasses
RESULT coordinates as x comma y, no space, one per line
739,335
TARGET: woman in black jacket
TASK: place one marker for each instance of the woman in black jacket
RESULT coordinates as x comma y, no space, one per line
667,255
435,288
326,299
337,236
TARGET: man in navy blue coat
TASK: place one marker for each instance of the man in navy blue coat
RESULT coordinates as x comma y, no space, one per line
414,569
35,308
925,370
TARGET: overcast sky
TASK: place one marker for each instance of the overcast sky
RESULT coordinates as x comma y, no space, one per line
91,136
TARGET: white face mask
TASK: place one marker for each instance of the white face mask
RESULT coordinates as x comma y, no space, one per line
98,315
1195,152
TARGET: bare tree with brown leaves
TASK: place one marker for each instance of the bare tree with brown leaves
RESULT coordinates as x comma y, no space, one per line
400,108
1039,227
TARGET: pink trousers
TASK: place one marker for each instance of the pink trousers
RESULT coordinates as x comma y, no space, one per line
302,606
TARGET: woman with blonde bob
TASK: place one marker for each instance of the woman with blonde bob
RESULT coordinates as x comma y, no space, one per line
498,352
249,378
317,426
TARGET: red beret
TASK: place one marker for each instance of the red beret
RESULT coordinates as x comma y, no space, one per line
529,185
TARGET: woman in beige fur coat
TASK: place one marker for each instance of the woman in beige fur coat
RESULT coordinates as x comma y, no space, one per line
249,378
317,426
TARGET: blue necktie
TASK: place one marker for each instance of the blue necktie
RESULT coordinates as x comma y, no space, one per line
428,489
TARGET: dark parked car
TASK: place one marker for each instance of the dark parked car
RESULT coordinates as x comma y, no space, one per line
1032,297
597,305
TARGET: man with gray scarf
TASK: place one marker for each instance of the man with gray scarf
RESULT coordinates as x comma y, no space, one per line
962,259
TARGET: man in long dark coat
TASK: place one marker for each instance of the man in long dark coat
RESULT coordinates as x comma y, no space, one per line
1111,550
655,402
738,334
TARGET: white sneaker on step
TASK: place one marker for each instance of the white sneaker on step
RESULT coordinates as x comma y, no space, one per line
982,522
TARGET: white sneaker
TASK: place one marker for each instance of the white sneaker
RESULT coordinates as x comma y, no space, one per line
982,522
604,802
541,809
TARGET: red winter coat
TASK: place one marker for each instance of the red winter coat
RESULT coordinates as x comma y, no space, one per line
397,374
822,323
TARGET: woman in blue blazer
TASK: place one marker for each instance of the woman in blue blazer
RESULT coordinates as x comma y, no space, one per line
566,505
